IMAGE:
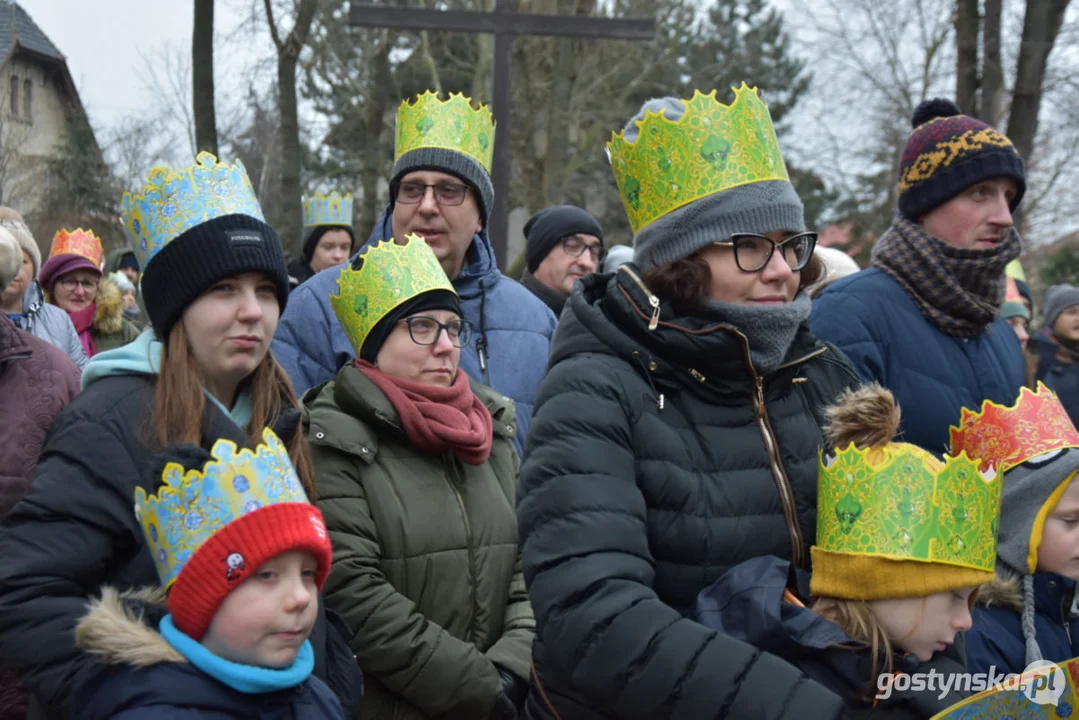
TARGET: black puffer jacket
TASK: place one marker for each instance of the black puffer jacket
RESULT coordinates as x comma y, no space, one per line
657,459
75,532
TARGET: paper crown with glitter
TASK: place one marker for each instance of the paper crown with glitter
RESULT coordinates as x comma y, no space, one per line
332,209
390,274
192,505
1008,436
898,501
450,125
77,242
711,148
174,201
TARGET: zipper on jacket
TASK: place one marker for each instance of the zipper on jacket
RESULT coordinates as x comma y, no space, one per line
653,301
786,495
471,550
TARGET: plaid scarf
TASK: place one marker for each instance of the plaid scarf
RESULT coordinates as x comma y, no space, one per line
959,291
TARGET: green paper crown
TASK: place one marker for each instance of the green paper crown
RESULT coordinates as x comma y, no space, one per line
711,148
390,275
900,502
451,125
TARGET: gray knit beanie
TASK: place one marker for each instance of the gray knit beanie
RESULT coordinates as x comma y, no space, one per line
762,207
10,258
12,221
1059,298
454,163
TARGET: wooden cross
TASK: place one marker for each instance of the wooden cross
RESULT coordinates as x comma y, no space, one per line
504,23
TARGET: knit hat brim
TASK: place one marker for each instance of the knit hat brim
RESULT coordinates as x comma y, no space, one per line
868,577
239,549
453,162
946,183
220,248
60,265
430,300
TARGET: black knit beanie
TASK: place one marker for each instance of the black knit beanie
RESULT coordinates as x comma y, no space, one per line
206,254
430,300
313,233
948,152
546,229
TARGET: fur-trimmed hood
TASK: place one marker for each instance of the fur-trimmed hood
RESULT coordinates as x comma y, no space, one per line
109,316
121,629
1002,592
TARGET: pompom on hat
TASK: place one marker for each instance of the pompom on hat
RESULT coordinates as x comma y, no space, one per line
948,152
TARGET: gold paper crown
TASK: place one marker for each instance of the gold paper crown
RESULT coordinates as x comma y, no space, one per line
711,148
191,505
332,209
77,242
898,501
451,125
1008,436
174,201
390,275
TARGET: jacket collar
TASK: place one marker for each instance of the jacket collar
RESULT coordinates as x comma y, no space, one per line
552,299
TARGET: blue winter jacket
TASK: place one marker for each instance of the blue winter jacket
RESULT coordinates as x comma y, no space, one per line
516,326
996,639
932,375
750,602
1056,369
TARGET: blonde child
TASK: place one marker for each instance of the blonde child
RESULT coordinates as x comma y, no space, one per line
903,542
242,556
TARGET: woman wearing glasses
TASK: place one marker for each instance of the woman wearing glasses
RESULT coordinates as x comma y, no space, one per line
677,431
416,473
72,280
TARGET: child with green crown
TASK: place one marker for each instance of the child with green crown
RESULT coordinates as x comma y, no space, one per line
904,541
242,556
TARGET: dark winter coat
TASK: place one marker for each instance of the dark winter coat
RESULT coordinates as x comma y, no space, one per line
426,570
748,604
299,272
996,639
144,678
932,375
1055,366
657,460
75,532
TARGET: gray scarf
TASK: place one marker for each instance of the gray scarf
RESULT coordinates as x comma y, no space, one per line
770,329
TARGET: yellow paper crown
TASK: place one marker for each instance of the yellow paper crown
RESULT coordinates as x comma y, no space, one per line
390,274
191,505
711,148
174,201
898,501
451,125
332,209
77,242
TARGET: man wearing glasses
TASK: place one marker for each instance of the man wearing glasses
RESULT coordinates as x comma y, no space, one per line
563,243
440,190
924,320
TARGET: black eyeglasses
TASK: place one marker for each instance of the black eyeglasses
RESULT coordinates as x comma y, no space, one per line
426,330
753,252
411,193
575,246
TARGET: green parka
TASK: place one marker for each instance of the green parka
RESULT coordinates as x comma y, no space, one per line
426,567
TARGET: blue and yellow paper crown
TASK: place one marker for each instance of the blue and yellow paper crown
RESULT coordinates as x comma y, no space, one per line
711,148
899,502
332,209
191,505
174,201
391,274
450,125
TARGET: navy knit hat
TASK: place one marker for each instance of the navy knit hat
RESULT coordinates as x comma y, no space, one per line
948,152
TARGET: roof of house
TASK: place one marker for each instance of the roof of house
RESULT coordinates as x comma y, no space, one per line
18,28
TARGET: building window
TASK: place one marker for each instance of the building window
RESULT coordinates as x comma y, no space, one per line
14,95
27,95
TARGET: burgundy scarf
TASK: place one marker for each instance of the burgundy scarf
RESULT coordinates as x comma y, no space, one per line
437,419
83,320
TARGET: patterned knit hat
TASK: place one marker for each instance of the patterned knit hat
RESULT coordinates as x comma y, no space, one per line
948,152
217,517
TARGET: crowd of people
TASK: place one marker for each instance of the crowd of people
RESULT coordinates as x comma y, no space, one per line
719,472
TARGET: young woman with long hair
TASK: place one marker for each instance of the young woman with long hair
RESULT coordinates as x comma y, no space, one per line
214,286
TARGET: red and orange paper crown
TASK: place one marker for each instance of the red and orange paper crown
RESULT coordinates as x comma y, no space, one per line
78,242
1008,436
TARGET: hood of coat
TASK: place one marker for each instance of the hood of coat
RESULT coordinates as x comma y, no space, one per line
611,314
112,260
109,315
121,629
1051,593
